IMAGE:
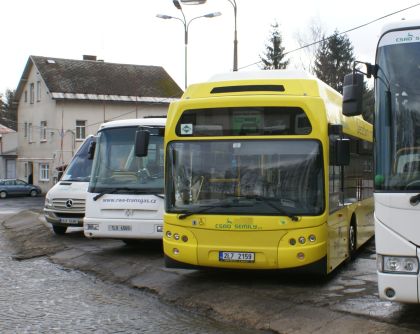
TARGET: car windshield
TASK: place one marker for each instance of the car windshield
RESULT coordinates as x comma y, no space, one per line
116,168
271,177
80,166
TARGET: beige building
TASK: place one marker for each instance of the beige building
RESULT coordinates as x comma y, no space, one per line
8,152
61,101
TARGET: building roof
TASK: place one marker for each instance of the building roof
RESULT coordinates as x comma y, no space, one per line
99,80
4,130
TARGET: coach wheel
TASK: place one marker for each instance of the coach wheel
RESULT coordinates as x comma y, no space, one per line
3,194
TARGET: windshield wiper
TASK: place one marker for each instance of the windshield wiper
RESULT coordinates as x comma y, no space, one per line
202,209
110,191
206,208
130,190
268,201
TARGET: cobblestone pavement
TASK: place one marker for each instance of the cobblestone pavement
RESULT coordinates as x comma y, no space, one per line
37,296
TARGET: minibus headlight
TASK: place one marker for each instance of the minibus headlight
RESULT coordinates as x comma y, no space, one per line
398,264
48,203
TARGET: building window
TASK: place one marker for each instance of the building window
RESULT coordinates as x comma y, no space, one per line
31,93
43,131
44,172
26,169
26,96
25,130
80,130
30,139
38,91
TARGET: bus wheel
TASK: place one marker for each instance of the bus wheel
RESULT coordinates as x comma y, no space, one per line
60,230
3,194
132,242
352,245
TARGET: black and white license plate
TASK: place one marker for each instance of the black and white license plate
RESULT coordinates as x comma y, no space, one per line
236,256
119,228
69,220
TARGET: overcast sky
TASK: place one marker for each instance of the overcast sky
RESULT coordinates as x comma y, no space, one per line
127,31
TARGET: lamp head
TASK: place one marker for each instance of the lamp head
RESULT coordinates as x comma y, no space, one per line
177,4
210,15
193,2
163,16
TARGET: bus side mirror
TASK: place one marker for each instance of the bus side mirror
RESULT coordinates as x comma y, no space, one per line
342,152
91,150
352,94
142,143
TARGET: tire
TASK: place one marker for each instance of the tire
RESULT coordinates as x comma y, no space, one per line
352,238
33,193
3,194
131,242
59,230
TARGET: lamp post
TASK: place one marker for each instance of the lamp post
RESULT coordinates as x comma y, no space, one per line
235,38
186,25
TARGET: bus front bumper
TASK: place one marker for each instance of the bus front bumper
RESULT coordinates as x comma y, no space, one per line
188,248
122,228
62,218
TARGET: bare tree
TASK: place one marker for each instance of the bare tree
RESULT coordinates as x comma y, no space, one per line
309,41
8,112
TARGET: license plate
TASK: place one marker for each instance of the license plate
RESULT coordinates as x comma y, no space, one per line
69,220
236,257
119,228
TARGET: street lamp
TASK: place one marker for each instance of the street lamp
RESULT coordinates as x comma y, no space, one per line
186,25
235,38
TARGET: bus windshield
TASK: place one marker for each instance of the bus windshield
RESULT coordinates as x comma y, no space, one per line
116,168
263,177
80,166
397,116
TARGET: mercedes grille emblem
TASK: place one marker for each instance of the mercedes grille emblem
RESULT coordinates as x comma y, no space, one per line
69,203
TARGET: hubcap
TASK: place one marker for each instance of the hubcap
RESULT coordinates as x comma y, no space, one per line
352,240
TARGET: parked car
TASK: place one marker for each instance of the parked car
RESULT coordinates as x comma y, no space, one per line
12,187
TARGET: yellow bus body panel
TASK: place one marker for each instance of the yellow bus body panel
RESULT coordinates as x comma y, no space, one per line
269,237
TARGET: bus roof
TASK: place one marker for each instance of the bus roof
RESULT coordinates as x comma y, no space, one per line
258,75
402,24
263,82
156,121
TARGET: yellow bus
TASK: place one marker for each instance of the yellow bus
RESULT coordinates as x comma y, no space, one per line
263,171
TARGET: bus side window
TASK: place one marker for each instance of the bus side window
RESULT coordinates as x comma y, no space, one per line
335,177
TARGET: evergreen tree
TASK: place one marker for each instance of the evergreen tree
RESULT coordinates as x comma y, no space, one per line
333,60
273,57
368,104
8,111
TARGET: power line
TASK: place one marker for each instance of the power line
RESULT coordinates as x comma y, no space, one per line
338,34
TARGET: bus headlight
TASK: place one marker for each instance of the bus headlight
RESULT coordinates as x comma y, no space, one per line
398,264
